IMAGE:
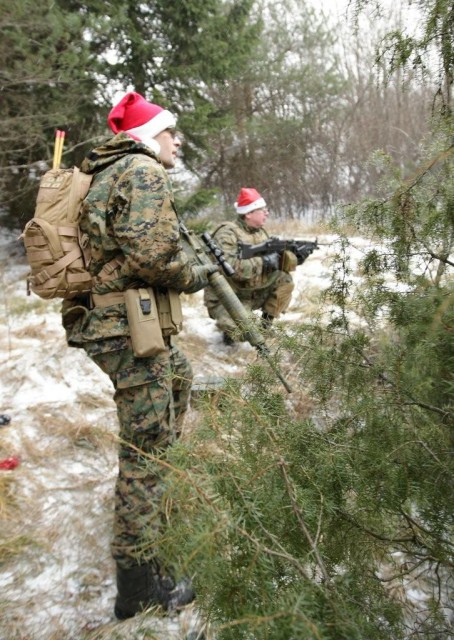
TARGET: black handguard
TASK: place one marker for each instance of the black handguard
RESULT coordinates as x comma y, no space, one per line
301,248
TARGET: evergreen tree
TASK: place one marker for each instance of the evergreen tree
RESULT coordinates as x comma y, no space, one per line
171,53
64,63
45,84
281,109
329,514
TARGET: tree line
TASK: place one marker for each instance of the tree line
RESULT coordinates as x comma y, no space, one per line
270,94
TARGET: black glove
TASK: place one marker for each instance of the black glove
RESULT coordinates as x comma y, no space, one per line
200,273
271,262
304,254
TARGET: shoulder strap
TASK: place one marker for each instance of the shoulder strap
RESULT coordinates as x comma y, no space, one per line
79,189
111,269
227,223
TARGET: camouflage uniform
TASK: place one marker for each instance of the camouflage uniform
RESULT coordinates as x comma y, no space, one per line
129,214
270,292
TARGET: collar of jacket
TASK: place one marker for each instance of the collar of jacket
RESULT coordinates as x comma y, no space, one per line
243,224
114,149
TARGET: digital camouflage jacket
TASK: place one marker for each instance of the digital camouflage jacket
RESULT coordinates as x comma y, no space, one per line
248,273
128,214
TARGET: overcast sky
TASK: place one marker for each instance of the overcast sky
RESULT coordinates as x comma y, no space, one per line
344,9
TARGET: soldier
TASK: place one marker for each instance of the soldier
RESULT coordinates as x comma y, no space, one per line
133,231
258,282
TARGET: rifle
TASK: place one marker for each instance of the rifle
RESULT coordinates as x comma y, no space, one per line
226,294
302,249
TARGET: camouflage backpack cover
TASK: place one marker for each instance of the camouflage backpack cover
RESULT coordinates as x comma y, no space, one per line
57,251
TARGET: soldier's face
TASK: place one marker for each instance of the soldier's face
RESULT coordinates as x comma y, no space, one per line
170,142
256,218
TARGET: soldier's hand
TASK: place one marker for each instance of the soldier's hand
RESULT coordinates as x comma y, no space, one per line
271,262
304,253
200,273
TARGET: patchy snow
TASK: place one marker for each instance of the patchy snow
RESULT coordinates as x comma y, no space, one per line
57,576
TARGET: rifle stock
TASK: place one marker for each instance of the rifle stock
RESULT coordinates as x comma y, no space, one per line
228,297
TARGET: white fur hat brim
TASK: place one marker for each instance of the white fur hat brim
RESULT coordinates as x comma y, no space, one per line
148,131
257,204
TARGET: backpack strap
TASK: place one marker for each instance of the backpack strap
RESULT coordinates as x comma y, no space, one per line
50,271
226,223
111,269
79,189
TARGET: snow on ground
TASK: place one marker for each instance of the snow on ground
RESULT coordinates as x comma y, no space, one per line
56,574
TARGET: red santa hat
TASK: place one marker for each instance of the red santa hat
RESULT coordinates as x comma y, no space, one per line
248,200
140,119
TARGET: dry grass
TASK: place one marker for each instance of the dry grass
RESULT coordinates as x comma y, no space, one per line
13,538
60,434
151,627
13,547
19,306
75,427
36,331
7,499
297,229
307,301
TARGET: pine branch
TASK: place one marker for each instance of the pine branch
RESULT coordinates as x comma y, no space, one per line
412,182
299,516
280,554
411,521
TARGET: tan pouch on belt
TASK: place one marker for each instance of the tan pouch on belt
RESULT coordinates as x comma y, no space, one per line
143,320
170,312
288,261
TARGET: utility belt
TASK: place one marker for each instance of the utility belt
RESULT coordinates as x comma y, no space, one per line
153,316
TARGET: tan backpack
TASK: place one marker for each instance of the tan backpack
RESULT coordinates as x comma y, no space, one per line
57,252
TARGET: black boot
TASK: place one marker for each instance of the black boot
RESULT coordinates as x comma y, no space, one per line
141,587
267,320
227,339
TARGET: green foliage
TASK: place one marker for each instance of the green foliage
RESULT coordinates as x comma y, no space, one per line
314,528
196,203
45,86
339,525
435,41
171,52
272,527
259,88
63,62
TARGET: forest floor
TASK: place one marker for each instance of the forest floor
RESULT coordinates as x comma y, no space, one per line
56,574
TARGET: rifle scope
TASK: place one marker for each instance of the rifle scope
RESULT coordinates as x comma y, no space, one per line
218,254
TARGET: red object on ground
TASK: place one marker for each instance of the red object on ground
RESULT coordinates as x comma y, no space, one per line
9,463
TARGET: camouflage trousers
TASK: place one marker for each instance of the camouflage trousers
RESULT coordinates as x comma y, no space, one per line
151,395
273,300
